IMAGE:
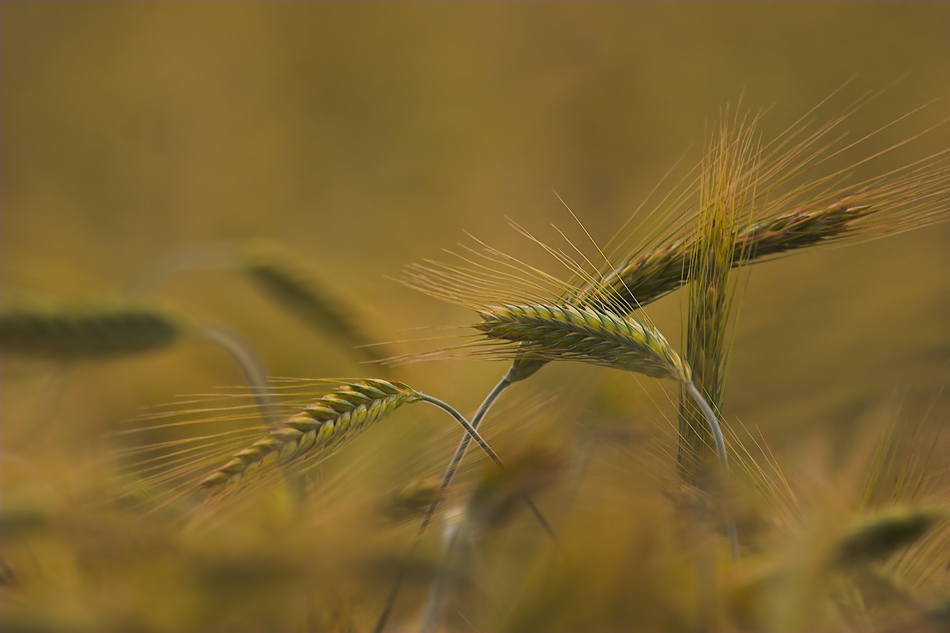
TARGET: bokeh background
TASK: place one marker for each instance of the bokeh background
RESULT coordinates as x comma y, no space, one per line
366,136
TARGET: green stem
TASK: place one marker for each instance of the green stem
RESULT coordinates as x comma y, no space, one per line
723,459
446,480
245,358
472,433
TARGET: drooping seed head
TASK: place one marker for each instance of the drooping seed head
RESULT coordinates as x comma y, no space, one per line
315,431
599,337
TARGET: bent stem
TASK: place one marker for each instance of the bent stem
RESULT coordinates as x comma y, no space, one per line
723,459
203,257
470,431
245,358
450,472
453,466
499,389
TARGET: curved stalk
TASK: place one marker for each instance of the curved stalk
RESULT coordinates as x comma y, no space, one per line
245,358
470,431
450,471
723,459
453,466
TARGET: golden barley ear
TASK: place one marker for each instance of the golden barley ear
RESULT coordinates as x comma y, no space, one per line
71,331
292,282
787,218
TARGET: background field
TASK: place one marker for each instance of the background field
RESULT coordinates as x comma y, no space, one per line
368,136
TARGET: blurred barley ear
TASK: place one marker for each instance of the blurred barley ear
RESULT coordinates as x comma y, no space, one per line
102,329
118,327
875,538
287,278
290,281
411,500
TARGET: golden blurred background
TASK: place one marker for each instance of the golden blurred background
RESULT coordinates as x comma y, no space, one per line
365,136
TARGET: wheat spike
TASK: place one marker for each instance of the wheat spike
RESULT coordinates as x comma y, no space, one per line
915,196
317,429
88,330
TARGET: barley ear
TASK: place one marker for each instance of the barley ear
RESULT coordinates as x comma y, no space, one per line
291,282
88,330
875,538
323,426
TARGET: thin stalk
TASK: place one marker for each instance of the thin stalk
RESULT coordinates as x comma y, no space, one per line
252,368
500,388
471,433
206,257
723,459
453,466
450,472
452,536
242,354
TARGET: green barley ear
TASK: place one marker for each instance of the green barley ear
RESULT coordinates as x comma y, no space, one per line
789,218
72,331
598,337
877,537
292,282
313,433
727,189
565,333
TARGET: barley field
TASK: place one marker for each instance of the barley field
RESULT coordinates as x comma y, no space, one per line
474,317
